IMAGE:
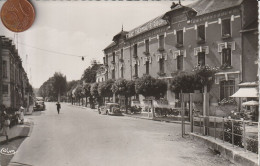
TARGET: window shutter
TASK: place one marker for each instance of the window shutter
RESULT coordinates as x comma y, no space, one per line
232,18
157,37
138,62
144,61
206,24
195,27
220,47
158,58
233,45
184,53
174,32
165,34
206,49
219,21
165,57
195,52
150,60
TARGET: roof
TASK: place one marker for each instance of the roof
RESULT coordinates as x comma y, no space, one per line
119,34
110,45
152,24
209,6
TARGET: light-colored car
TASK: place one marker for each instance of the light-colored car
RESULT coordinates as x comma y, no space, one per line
110,109
39,106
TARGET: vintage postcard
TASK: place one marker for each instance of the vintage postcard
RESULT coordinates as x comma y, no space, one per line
129,83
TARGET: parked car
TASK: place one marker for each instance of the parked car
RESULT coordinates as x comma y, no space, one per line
110,109
39,106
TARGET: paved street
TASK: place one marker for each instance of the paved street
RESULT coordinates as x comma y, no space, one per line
82,137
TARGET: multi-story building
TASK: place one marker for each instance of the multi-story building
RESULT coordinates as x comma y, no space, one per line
14,81
210,32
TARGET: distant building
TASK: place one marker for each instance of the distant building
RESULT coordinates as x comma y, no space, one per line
14,82
217,33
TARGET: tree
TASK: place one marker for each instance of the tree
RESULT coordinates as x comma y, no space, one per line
105,88
94,94
89,75
125,88
59,84
149,86
79,92
185,82
86,89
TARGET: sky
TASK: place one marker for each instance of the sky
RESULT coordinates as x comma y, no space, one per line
75,29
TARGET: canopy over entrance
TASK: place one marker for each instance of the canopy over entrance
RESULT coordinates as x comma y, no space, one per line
247,89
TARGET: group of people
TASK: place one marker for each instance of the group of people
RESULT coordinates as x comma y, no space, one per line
5,121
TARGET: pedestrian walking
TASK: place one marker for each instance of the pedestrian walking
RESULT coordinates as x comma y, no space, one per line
5,129
58,107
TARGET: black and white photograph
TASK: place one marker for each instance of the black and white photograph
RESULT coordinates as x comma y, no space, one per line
129,83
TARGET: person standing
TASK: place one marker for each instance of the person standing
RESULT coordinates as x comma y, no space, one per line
58,107
6,125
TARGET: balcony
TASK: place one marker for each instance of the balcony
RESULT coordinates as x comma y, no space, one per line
226,36
135,76
135,56
121,60
225,67
179,45
161,74
161,49
201,41
147,53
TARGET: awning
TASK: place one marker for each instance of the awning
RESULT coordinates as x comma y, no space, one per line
251,103
246,92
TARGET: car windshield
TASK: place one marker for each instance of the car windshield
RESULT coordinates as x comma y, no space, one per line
116,106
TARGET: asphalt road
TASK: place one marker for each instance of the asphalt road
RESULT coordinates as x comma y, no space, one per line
82,137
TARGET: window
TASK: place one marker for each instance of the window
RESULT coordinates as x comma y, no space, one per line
122,53
113,74
4,69
161,42
122,72
136,70
147,46
226,57
180,62
114,57
5,89
161,65
107,59
226,28
201,33
135,50
201,58
227,88
147,67
180,37
104,60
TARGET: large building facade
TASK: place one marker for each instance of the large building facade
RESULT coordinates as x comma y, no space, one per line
14,81
207,32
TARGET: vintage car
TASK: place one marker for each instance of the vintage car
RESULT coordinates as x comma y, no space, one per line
110,109
39,106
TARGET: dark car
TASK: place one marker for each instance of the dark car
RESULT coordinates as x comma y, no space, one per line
39,106
110,109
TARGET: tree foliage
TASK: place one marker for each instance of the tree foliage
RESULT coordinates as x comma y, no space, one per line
185,82
86,89
149,86
124,87
94,90
89,75
105,88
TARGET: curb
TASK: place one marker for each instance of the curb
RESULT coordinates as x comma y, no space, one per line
234,154
159,120
24,132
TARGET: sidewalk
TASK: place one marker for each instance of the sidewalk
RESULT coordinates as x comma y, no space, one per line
237,155
23,130
162,119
